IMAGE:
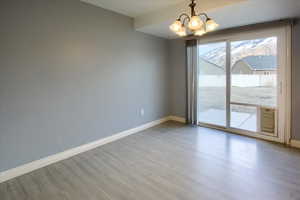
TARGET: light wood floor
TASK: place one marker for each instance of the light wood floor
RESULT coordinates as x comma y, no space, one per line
168,162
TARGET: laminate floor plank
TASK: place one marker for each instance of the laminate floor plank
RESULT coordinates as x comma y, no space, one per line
171,161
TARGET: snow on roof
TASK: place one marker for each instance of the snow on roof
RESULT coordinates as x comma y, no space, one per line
261,62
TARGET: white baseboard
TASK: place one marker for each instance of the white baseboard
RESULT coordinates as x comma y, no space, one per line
24,169
177,119
295,143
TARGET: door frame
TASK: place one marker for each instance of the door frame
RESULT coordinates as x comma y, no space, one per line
283,34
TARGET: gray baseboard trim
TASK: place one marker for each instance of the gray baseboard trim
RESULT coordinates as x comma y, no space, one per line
295,143
177,119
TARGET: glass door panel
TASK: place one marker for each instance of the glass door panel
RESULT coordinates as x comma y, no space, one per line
253,84
212,84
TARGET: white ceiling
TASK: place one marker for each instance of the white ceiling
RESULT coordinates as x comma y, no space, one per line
154,16
133,8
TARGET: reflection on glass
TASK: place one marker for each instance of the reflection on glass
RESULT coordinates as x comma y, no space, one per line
212,84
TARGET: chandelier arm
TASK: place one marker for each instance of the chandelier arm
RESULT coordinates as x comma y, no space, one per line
184,20
203,14
184,15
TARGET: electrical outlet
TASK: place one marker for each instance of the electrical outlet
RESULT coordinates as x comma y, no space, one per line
142,112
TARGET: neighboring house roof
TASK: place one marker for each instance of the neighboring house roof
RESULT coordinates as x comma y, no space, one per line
261,62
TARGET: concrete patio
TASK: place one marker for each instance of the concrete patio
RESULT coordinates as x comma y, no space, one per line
240,120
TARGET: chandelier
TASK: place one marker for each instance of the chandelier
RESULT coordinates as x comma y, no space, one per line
196,24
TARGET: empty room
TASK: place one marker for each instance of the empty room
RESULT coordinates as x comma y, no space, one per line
150,100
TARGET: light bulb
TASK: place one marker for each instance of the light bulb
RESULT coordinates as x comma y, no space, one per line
211,25
195,23
175,27
200,32
181,32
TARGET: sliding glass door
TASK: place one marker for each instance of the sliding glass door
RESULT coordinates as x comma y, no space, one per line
212,84
241,83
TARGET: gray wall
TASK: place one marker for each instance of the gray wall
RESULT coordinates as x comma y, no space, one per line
72,73
178,81
177,58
